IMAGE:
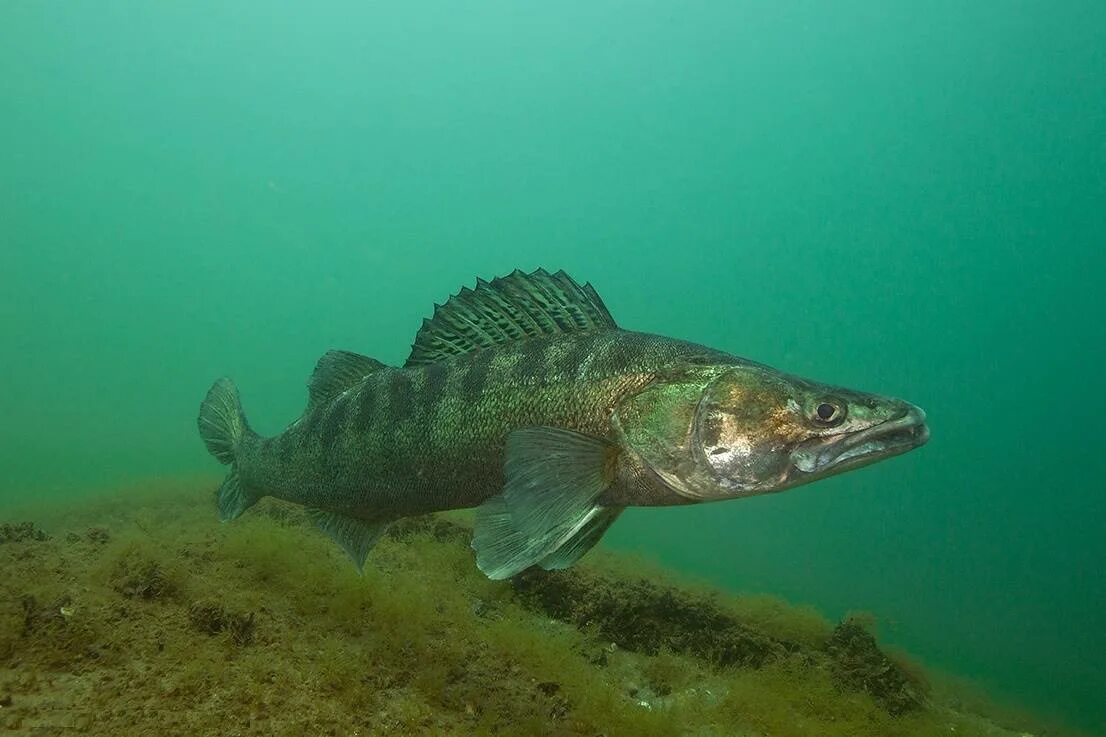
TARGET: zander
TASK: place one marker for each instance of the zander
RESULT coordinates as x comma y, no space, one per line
523,398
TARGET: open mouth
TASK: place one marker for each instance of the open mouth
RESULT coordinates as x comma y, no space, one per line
890,438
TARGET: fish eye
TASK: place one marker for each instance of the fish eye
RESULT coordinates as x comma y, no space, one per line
829,413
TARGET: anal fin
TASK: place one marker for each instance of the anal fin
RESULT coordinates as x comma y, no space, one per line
355,536
233,497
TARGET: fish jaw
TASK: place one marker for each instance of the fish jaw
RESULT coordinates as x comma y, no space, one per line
828,456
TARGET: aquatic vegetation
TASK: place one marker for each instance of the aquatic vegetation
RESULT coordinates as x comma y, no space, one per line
856,663
19,532
211,618
139,612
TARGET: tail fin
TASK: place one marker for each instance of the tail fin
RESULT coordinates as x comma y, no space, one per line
223,426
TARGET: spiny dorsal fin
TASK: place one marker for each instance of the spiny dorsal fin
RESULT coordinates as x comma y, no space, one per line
506,309
336,372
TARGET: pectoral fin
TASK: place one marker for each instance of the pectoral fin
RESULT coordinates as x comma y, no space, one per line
356,536
548,512
584,540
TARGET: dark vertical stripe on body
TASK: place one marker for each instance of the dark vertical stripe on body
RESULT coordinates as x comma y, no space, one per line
615,352
400,396
531,359
435,383
365,416
472,384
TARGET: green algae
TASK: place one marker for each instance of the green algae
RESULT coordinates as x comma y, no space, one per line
139,612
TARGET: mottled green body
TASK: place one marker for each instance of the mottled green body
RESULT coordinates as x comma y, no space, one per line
523,398
432,437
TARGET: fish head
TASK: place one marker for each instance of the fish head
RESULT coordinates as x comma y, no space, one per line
743,430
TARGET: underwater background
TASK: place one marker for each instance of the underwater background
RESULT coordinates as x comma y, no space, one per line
901,199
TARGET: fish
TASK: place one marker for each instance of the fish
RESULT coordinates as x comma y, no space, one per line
524,399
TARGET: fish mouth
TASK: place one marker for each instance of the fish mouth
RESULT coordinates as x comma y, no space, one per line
884,440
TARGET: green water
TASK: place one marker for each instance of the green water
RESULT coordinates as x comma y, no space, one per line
898,199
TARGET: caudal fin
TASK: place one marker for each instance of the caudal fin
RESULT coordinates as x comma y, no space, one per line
223,426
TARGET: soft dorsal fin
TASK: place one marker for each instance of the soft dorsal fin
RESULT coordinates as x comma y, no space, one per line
506,309
336,372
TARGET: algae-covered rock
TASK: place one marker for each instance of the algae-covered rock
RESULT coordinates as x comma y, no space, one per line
38,617
98,535
859,665
438,528
21,532
211,618
645,617
177,624
143,579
